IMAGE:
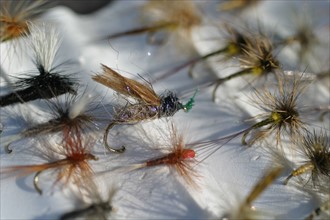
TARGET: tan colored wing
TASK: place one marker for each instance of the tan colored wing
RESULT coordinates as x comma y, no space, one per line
126,86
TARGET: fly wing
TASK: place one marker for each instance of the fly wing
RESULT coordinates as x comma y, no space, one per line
126,86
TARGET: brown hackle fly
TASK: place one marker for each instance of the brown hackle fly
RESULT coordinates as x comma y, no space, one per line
174,154
72,167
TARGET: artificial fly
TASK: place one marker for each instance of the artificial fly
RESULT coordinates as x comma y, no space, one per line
282,115
234,46
148,105
176,155
76,115
74,167
315,150
281,112
257,59
44,42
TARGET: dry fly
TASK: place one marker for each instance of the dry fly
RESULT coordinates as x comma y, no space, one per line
245,210
72,168
281,117
148,104
282,113
257,59
234,46
15,15
44,42
75,115
95,208
315,151
168,16
178,157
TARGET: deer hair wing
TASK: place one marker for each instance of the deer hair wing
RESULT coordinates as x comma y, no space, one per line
127,87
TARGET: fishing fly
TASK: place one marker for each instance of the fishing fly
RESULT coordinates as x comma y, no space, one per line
282,116
147,106
234,46
74,114
44,41
175,154
74,166
315,151
257,59
282,113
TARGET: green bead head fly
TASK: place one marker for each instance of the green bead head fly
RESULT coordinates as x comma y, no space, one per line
147,106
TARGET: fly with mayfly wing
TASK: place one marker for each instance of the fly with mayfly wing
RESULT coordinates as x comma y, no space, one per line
148,105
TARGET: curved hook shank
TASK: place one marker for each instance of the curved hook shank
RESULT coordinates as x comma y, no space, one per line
105,138
7,149
36,182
